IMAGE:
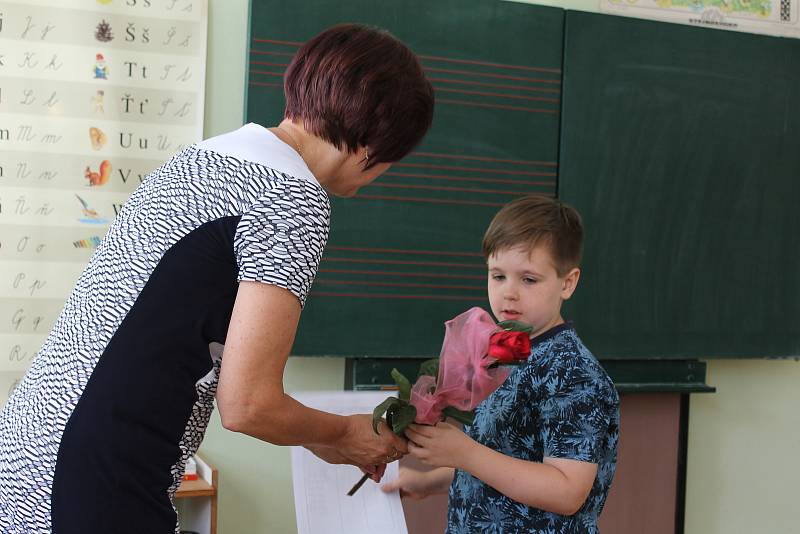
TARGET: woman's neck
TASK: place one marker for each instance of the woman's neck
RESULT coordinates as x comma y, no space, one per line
322,158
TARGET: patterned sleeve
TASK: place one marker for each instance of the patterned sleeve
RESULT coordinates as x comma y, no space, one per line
577,417
280,239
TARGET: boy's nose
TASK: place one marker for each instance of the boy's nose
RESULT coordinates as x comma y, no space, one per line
511,294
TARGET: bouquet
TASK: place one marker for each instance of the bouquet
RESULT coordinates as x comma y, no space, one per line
473,362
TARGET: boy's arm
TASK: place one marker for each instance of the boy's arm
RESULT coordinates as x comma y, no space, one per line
557,485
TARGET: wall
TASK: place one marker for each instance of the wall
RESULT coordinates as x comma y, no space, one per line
743,471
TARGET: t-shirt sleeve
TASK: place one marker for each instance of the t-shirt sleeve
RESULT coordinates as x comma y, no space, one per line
576,419
280,239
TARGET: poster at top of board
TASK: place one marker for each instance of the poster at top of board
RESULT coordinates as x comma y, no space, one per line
771,17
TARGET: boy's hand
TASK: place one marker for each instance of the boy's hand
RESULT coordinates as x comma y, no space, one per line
442,445
417,484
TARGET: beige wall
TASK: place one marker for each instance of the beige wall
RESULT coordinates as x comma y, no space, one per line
743,465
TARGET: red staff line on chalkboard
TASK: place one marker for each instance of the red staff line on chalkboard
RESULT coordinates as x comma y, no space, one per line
473,169
500,95
430,200
390,296
396,284
439,88
490,64
435,58
498,85
410,262
405,251
445,188
492,75
497,106
267,53
461,102
267,84
483,158
471,179
395,273
270,63
275,41
451,90
269,73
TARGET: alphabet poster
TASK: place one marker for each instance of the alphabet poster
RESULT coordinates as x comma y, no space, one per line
771,17
94,94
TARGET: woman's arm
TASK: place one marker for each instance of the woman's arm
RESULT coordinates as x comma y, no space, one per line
250,394
556,485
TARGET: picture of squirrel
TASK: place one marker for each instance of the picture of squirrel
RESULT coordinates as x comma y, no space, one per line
99,178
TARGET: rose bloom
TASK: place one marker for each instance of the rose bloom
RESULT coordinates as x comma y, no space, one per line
509,347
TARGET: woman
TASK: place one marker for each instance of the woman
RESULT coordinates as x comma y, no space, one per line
217,249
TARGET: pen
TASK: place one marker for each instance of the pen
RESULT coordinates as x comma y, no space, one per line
358,485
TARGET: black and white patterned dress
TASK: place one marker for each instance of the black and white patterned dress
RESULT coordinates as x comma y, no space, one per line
95,437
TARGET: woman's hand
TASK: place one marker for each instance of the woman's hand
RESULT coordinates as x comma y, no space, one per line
442,445
327,454
362,447
333,456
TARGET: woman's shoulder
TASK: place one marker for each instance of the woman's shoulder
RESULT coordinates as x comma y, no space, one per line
254,145
247,170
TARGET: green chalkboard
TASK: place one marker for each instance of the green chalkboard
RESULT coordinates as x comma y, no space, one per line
680,148
404,254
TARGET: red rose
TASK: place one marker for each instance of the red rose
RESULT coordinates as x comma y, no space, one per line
508,346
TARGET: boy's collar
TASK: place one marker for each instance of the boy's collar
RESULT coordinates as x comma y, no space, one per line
547,334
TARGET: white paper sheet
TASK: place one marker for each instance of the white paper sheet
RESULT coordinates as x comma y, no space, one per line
320,489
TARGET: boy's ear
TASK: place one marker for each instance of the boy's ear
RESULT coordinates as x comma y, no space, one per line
570,283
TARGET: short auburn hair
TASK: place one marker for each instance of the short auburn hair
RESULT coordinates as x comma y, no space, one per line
535,220
355,85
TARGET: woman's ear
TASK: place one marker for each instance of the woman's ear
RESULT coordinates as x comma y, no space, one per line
570,283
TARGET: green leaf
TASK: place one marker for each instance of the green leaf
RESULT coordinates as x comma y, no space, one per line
390,415
459,415
382,408
429,368
403,416
515,326
402,383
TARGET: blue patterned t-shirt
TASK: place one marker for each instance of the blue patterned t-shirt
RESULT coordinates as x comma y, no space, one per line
560,404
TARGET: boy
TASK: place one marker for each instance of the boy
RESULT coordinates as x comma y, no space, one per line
541,453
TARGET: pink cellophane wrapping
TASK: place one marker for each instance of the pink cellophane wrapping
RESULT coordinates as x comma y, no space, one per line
463,381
